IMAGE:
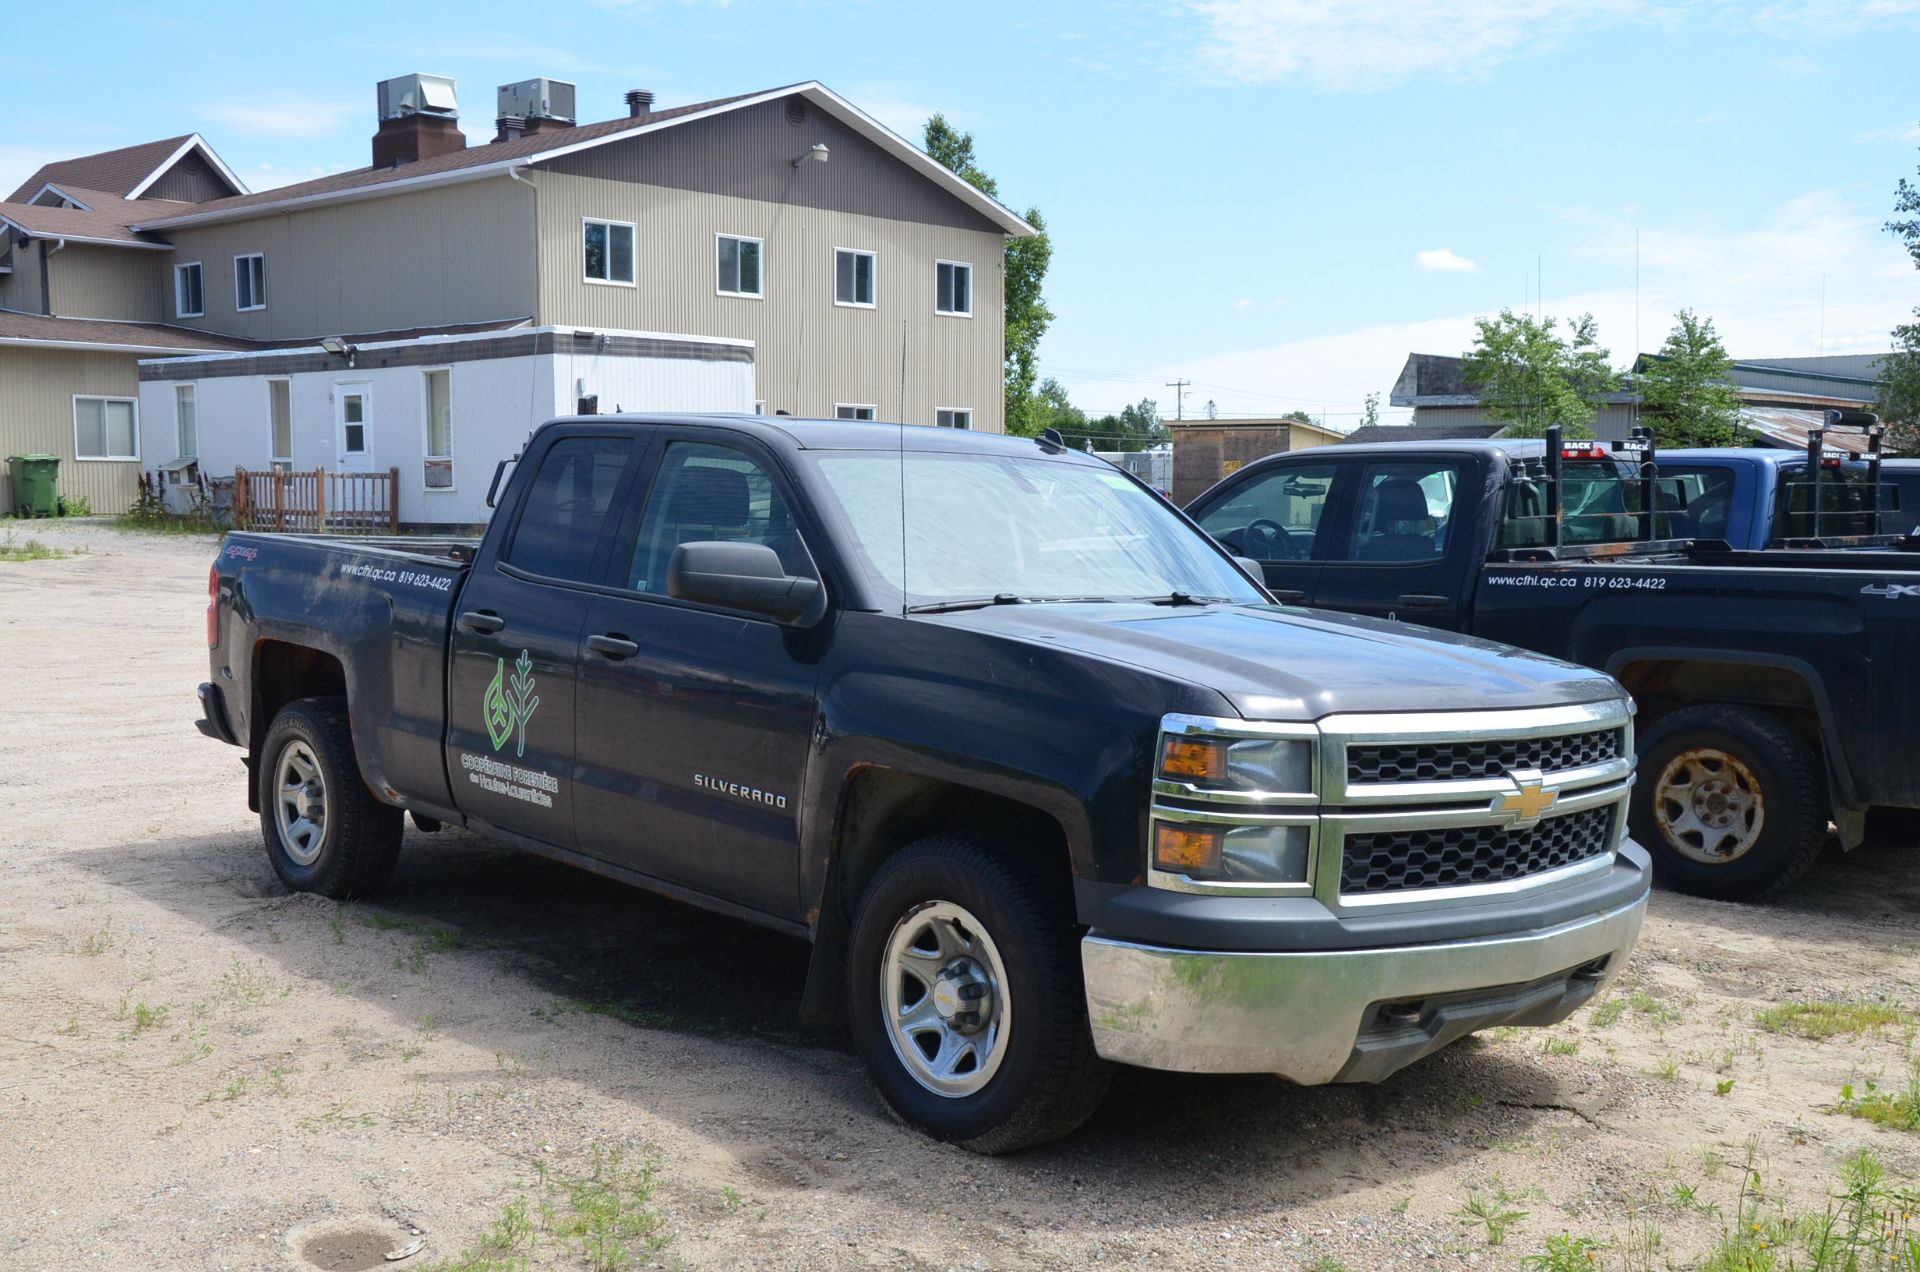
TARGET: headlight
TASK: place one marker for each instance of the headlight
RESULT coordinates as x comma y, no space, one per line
1243,767
1231,854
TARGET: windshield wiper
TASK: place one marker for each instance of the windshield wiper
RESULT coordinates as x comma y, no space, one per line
1003,598
1185,598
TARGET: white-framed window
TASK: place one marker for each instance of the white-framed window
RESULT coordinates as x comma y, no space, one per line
250,282
853,277
280,423
953,416
606,249
106,428
953,288
186,422
189,291
737,262
853,411
437,391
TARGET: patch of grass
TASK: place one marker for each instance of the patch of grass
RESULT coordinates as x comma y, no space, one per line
339,930
252,985
1822,1020
503,1247
12,549
1566,1253
232,1091
606,1220
1552,1046
1668,1068
1608,1012
94,944
1868,1225
1327,1263
1897,1110
147,1017
337,1117
1496,1214
730,1196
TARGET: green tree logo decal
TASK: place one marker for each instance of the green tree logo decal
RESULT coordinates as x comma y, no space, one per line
508,706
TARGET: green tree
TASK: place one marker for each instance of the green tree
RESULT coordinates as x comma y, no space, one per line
1053,410
1898,399
1302,416
1530,378
1135,428
1685,393
1024,274
1369,414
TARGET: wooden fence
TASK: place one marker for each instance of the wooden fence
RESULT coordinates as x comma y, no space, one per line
316,502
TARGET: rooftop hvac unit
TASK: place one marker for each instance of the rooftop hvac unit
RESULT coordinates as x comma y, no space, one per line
416,95
538,99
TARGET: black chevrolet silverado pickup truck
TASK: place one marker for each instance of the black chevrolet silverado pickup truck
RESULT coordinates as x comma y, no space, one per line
1777,689
1043,777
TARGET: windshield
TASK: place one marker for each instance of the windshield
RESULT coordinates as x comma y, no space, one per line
981,527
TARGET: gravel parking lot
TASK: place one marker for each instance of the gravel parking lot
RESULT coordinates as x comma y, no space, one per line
198,1070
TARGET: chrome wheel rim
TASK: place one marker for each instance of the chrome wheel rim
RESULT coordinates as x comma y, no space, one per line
944,994
300,803
1709,806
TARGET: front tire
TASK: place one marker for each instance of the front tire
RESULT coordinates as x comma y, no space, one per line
967,1000
324,830
1729,801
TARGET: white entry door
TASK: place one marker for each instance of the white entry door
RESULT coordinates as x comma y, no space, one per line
353,431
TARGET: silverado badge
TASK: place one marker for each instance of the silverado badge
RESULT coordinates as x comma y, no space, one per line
1527,802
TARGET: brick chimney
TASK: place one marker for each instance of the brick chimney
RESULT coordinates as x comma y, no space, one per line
418,120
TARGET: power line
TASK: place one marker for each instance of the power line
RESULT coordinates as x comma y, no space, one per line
1179,388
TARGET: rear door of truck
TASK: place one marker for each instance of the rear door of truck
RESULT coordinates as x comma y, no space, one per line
1404,540
511,681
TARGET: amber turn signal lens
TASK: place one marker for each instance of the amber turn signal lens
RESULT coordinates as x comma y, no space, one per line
1186,849
1203,759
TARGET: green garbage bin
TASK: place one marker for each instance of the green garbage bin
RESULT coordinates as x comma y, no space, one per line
34,480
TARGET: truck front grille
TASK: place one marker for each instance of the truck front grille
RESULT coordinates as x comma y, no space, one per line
1408,860
1452,761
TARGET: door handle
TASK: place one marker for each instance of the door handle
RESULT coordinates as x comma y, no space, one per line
1421,600
1287,595
614,647
482,620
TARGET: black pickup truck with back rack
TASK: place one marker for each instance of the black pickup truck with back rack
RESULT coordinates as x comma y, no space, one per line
1778,690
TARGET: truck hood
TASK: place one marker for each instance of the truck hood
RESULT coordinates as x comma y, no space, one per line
1275,663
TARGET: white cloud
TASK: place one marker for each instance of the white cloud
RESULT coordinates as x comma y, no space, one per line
1243,303
1446,261
1760,281
286,116
1360,46
1899,132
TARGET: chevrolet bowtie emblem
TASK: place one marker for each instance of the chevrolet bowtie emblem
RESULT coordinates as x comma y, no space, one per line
1527,802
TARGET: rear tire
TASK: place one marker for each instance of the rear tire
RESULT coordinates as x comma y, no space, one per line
1730,802
325,832
966,998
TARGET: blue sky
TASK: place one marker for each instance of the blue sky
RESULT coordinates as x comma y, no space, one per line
1276,199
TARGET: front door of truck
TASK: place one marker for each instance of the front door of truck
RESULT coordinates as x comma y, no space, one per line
695,722
1274,515
1404,542
511,688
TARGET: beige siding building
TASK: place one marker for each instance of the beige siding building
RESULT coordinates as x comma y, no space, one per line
861,278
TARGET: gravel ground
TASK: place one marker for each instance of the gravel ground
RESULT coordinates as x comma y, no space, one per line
198,1070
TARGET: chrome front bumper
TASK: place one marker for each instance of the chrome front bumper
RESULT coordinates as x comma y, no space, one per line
1340,1015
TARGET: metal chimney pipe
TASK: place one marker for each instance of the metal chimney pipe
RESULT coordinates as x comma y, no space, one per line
639,102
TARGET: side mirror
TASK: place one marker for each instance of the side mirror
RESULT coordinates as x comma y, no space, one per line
1252,567
742,576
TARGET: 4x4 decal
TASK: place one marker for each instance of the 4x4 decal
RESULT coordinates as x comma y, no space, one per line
1893,591
507,712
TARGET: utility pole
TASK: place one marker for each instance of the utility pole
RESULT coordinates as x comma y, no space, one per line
1179,388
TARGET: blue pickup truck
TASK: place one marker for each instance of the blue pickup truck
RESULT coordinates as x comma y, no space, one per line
1753,498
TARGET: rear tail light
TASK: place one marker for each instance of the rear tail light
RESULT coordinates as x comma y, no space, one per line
213,613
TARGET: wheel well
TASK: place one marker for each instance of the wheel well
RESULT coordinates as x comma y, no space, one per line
884,810
1662,686
283,673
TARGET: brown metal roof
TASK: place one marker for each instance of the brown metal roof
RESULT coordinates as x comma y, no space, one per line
114,171
142,335
475,156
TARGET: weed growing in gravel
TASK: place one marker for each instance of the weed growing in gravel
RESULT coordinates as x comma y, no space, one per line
1566,1253
1724,1086
1668,1068
1327,1263
730,1197
94,944
1608,1012
602,1217
147,1017
1820,1020
252,986
337,1117
1552,1046
1867,1226
1898,1110
1495,1213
